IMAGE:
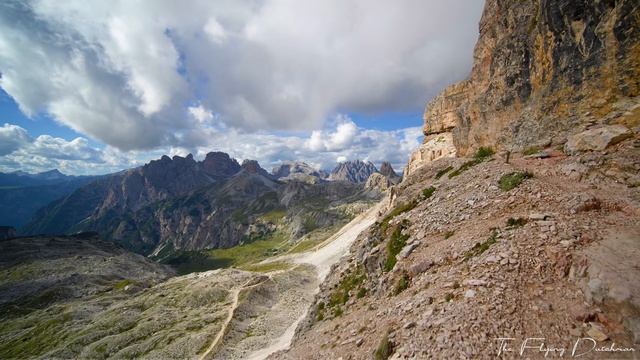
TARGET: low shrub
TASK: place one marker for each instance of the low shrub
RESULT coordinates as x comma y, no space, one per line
395,244
515,222
512,180
479,248
402,284
384,349
464,167
484,152
384,225
441,173
428,192
532,150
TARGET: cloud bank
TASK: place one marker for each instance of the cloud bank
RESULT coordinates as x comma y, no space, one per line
151,75
346,141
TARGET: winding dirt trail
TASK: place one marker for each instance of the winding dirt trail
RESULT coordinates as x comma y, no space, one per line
235,294
322,258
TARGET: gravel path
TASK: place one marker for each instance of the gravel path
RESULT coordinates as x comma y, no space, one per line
322,258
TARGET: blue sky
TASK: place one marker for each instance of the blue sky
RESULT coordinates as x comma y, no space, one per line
95,88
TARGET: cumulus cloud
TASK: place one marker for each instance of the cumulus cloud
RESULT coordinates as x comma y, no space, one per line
121,71
343,141
12,137
20,151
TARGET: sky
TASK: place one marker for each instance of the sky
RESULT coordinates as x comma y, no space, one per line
100,86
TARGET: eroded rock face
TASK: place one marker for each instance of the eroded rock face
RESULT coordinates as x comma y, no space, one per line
435,146
543,69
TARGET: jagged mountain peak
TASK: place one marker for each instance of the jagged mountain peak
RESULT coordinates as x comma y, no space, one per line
387,170
356,171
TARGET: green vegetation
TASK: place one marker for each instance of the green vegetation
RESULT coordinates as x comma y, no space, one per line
241,256
516,222
384,349
448,297
531,150
481,155
268,267
345,289
441,173
464,167
479,248
402,284
274,216
428,192
362,292
309,224
122,284
512,180
239,216
449,234
384,225
36,338
484,152
320,311
395,244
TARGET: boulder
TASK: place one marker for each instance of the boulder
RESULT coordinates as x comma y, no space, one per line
596,139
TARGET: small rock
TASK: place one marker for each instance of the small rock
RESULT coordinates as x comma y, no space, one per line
596,333
407,250
359,342
538,155
469,293
538,216
474,282
492,259
409,325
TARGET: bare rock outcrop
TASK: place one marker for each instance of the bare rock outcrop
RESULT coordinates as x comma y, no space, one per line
543,70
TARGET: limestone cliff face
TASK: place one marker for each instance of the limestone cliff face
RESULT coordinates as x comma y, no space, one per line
543,69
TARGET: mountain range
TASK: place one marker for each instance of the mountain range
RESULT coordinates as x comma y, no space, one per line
180,203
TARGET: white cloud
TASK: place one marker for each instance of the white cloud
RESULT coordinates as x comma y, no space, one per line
201,114
341,138
79,157
215,31
12,137
121,71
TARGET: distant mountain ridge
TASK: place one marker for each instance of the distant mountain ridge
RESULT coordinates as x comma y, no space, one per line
131,190
181,203
22,193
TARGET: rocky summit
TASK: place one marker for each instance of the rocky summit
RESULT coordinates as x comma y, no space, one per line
298,171
357,171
